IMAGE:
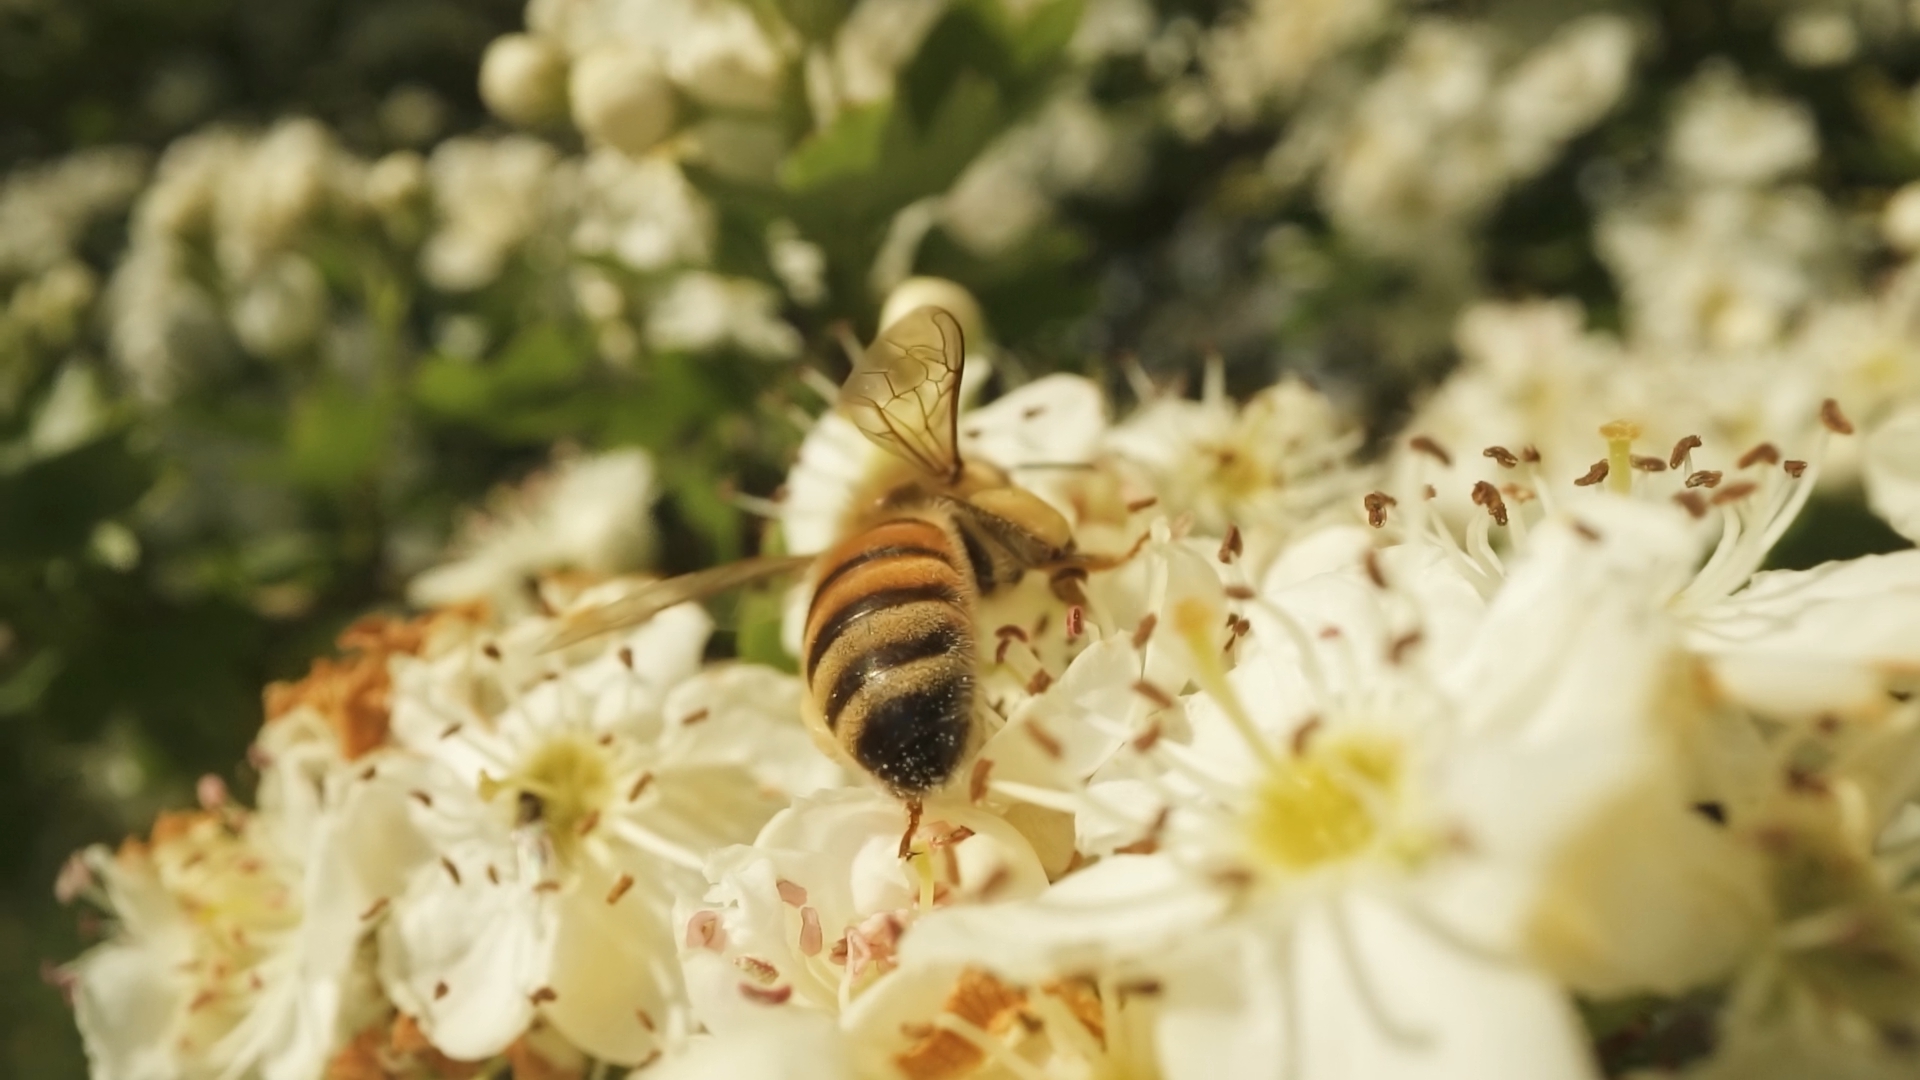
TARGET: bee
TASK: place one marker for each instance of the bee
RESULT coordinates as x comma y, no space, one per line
889,650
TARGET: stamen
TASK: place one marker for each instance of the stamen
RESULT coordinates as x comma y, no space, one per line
776,995
544,995
1372,564
1426,445
620,888
791,893
1160,698
1144,632
1795,468
440,990
977,783
1595,474
1704,478
1681,450
1231,547
1485,494
1694,503
1502,456
1734,492
1649,464
1766,452
1376,504
452,870
1835,420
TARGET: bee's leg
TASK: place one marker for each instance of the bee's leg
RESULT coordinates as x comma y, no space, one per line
1067,582
1070,572
913,826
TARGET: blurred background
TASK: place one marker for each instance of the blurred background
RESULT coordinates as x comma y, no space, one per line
300,299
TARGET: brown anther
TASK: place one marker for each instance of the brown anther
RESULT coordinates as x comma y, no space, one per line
493,875
620,887
1648,464
490,650
439,990
606,739
543,995
1040,681
1835,420
792,893
378,906
1807,783
1429,493
452,870
1240,592
695,717
1147,739
811,936
1795,467
1231,547
1144,632
626,657
1589,532
645,1018
1397,650
1010,631
1049,745
640,784
1139,988
1146,845
1694,502
1501,456
1374,574
547,886
589,823
1303,735
1680,451
1530,454
762,972
1234,877
1076,622
997,881
450,730
1426,445
1734,492
1032,411
1160,698
1138,505
1376,503
1706,478
368,773
1485,494
1766,452
422,798
977,782
1594,475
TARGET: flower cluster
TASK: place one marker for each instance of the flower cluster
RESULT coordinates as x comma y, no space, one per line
1340,769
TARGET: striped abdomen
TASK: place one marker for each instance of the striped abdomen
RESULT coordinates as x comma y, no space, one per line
889,655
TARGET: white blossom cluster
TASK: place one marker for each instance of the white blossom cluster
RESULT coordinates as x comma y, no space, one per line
1329,778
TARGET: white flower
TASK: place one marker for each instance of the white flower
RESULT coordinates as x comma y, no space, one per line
642,212
1725,134
489,197
1893,472
590,513
44,210
523,79
236,952
281,308
568,815
728,60
621,97
698,311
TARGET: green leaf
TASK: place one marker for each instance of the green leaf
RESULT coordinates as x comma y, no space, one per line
337,436
50,507
848,149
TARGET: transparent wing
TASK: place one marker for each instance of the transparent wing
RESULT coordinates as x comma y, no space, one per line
905,392
650,600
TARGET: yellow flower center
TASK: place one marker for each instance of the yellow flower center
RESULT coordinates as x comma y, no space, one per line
1325,805
560,787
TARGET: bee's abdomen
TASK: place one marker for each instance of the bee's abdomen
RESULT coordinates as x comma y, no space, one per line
890,654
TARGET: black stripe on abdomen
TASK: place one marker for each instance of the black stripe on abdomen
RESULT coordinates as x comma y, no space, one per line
890,551
944,640
856,609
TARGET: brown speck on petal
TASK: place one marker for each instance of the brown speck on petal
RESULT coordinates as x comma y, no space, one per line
543,995
620,888
490,651
791,893
1397,650
811,938
1049,745
1734,492
1426,445
422,798
1374,573
639,785
1501,456
1232,546
1138,505
977,783
645,1018
1693,501
766,995
1148,738
695,717
1303,735
1160,698
626,657
588,823
439,990
1835,420
1681,449
452,870
1144,631
450,730
493,875
379,906
1594,475
1530,454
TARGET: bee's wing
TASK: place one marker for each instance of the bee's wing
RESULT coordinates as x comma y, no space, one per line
905,392
650,600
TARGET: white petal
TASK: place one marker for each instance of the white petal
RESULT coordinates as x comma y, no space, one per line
609,962
790,1044
1892,469
125,1001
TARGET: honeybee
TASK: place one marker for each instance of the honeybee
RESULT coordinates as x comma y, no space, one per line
888,653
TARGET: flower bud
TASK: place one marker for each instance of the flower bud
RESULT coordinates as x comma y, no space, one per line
622,98
523,79
918,292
